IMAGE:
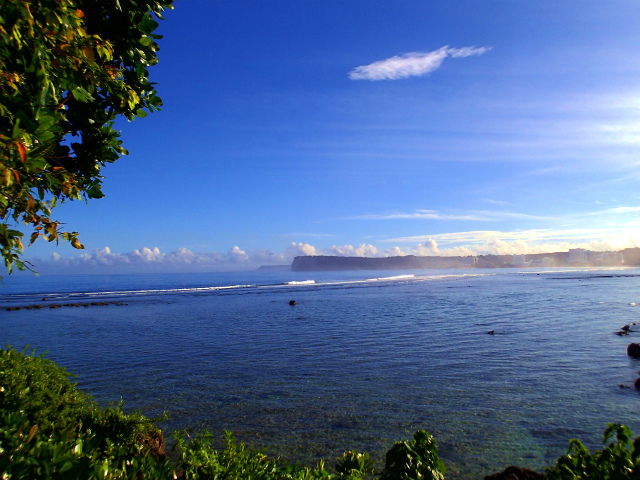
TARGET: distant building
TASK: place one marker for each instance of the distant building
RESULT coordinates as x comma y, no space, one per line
578,255
631,256
471,261
518,260
595,257
612,258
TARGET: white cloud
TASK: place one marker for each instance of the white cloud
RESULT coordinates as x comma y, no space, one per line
236,255
146,254
430,247
413,64
394,252
362,250
299,249
182,259
472,215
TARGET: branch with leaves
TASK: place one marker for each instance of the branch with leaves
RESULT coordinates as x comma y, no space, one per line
68,69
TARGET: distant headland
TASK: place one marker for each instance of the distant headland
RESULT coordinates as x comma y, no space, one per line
577,257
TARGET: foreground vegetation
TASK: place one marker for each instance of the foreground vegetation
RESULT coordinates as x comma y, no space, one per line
50,429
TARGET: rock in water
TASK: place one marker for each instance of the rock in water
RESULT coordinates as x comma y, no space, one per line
633,350
292,302
515,473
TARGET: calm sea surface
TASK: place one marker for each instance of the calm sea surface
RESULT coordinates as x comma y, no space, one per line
362,359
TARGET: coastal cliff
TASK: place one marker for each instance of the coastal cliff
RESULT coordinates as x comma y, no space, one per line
572,258
407,262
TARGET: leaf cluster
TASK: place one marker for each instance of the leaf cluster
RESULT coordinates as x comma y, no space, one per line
354,464
415,459
68,69
618,460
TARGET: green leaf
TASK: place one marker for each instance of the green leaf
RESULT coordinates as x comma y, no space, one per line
81,95
95,192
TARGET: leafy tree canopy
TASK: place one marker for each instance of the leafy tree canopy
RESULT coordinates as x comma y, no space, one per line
68,69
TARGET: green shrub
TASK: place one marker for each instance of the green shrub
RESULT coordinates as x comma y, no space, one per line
414,460
199,460
50,429
355,465
617,461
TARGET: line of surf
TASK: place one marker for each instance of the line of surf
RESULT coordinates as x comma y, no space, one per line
127,293
240,288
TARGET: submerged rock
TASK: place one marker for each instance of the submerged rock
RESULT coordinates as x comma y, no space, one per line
515,473
636,384
633,350
292,302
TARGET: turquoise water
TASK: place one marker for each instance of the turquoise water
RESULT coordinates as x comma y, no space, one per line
361,360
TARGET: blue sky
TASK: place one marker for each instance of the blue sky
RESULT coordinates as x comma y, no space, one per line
373,128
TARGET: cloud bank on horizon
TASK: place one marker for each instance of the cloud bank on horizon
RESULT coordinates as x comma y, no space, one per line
571,231
412,64
473,243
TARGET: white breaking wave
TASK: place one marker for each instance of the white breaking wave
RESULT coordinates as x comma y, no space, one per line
397,277
303,282
370,280
124,293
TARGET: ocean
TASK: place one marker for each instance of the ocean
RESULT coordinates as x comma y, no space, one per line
362,359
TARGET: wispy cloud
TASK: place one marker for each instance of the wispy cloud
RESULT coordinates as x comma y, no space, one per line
540,172
556,235
472,215
489,215
609,211
413,64
622,210
303,234
496,202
